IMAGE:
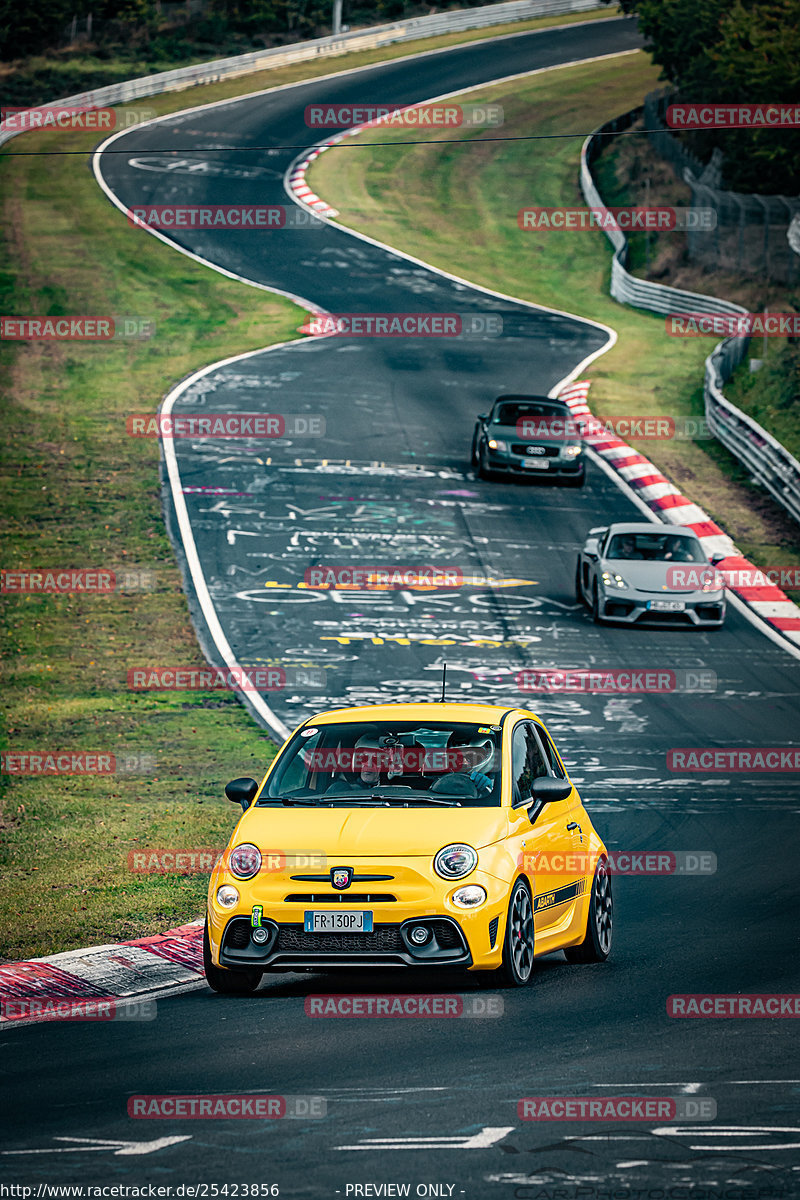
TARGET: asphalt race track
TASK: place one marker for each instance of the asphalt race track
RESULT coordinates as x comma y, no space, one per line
425,1101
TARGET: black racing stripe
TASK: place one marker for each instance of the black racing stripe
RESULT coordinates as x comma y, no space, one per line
560,896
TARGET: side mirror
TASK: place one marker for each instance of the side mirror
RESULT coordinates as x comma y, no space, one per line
597,532
483,416
716,559
241,791
548,789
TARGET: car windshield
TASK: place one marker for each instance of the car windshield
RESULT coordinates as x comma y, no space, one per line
655,547
512,412
388,763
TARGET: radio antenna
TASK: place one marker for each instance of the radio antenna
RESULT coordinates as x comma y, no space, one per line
444,679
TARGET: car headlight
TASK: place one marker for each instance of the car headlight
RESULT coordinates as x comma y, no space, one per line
612,580
572,451
496,444
244,861
453,862
469,897
227,896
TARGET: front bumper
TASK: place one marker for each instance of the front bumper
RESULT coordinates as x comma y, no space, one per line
389,945
704,609
411,897
518,464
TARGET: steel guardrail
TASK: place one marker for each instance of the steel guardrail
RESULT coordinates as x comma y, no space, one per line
769,463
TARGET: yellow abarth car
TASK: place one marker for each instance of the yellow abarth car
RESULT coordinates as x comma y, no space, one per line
409,835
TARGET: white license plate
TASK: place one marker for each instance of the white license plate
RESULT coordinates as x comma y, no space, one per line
353,921
536,464
667,605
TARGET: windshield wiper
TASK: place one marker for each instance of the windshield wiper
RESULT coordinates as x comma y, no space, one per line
285,800
421,797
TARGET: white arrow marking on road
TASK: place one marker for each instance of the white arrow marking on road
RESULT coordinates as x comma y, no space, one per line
488,1136
688,1089
119,1147
731,1131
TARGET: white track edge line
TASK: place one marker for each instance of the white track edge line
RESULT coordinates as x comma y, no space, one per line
753,617
273,722
740,605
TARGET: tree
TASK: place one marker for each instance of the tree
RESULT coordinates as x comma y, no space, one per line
748,51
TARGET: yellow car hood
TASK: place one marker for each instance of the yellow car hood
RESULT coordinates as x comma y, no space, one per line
369,832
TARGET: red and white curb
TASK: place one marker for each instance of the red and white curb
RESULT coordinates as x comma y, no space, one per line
122,971
299,187
663,498
765,600
297,182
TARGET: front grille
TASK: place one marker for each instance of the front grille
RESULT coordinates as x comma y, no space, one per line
669,618
340,898
447,935
326,878
522,448
493,930
237,934
618,608
383,940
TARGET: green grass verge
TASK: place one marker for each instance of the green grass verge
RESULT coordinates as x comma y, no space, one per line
78,492
771,395
455,204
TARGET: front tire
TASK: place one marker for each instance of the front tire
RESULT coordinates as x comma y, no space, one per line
219,979
483,464
598,620
518,942
578,589
596,944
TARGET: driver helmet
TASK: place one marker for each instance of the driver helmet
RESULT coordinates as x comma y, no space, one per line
478,755
376,754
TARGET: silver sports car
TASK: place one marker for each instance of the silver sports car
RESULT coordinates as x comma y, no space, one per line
640,573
